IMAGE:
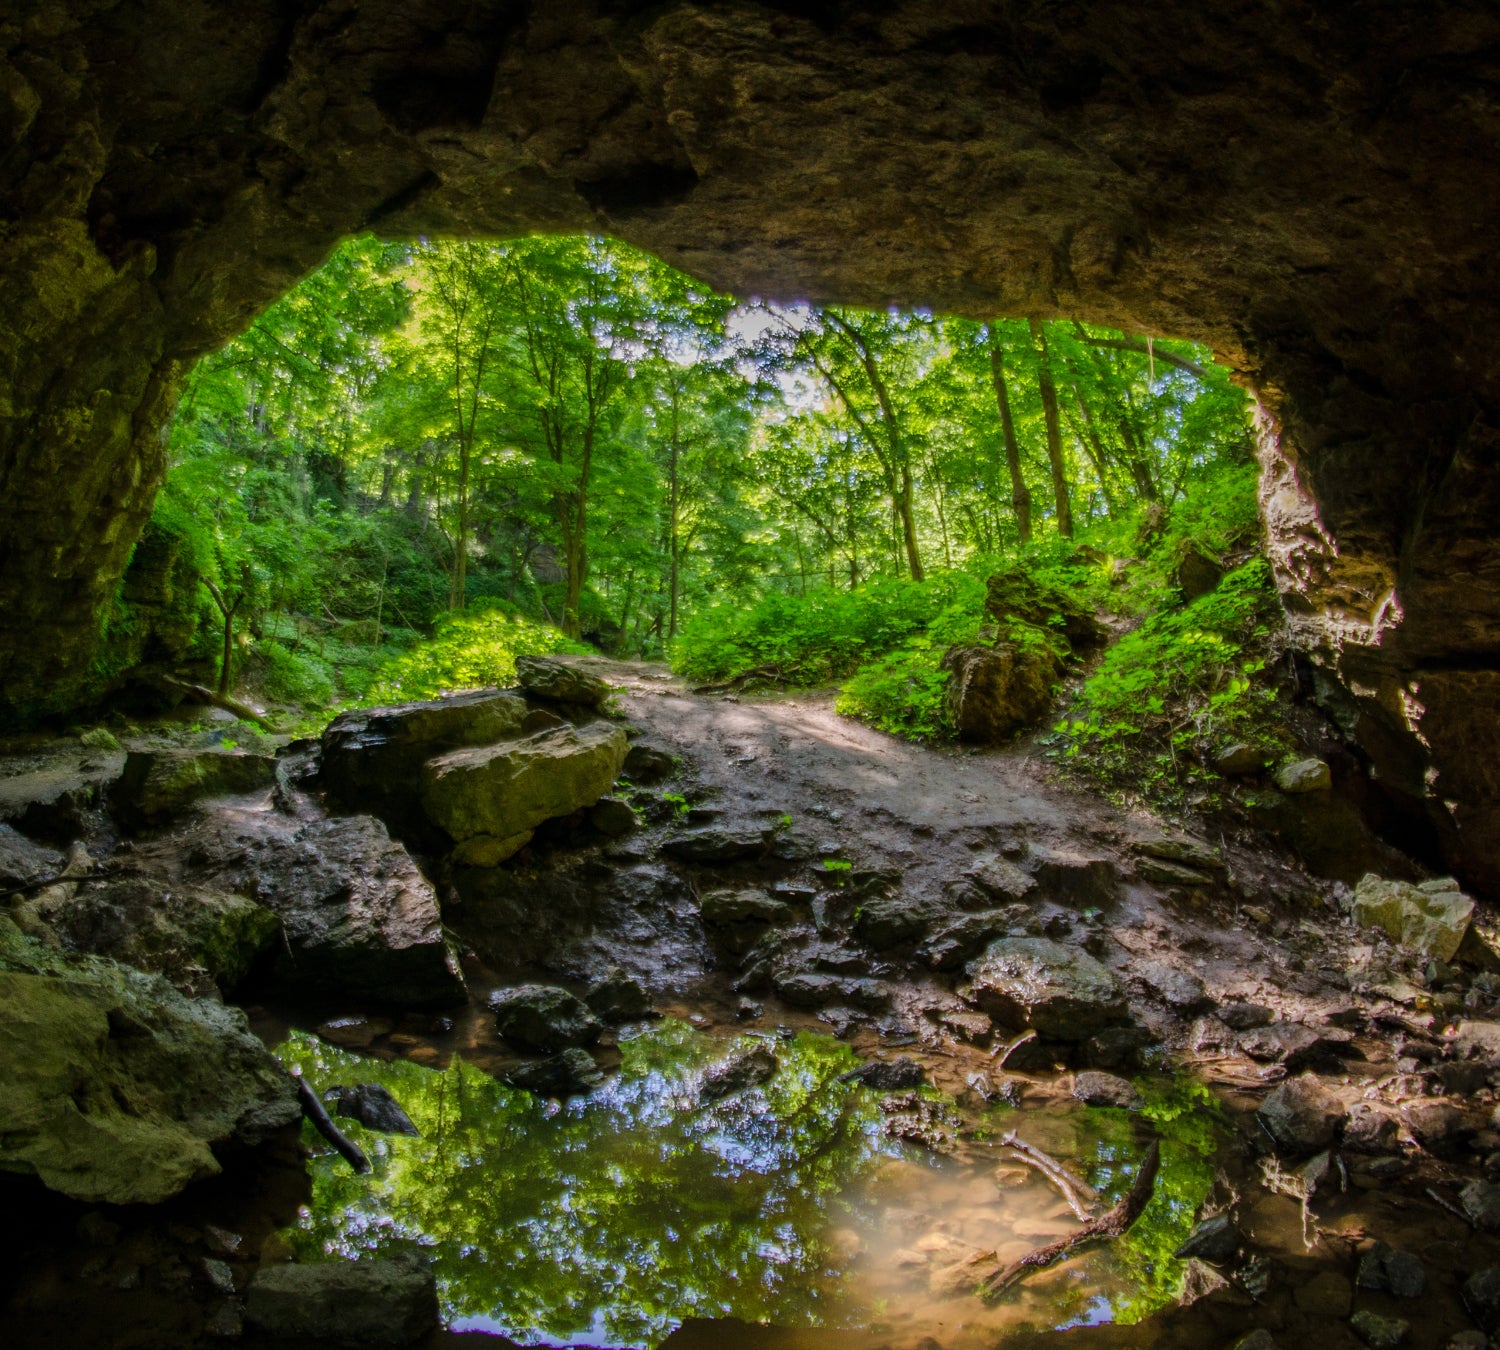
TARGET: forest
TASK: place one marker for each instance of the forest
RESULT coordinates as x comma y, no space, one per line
430,457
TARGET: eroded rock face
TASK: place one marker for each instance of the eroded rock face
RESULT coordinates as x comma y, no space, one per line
1309,191
114,1088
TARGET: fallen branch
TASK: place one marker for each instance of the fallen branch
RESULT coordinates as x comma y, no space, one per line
738,682
316,1112
1081,1197
1103,1229
204,694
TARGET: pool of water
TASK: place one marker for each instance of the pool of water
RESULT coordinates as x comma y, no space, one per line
609,1219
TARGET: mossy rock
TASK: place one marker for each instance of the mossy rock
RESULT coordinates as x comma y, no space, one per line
1015,597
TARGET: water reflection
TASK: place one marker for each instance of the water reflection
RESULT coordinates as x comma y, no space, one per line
609,1219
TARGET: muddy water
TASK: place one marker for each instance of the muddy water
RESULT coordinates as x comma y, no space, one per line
609,1219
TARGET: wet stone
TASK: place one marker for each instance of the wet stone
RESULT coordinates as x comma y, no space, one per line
1481,1294
1369,1129
887,1075
1387,1270
1094,1088
716,844
1301,1115
372,1105
1440,1127
646,763
1060,992
749,905
23,862
996,878
1379,1333
570,1073
217,1275
1304,775
1216,1240
350,1303
1073,878
1481,1202
1236,760
611,816
824,991
890,921
1244,1016
1178,988
543,1017
617,998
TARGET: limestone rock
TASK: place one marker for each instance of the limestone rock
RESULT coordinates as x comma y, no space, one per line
372,758
647,763
543,1017
717,844
570,1073
999,879
23,862
1432,922
495,794
358,917
1304,775
1071,876
612,817
955,943
746,905
558,682
1238,760
195,936
804,990
1175,985
994,692
1058,991
1094,1088
350,1303
1481,1202
617,998
372,1105
1301,1115
159,784
115,1088
1216,1240
890,921
1014,595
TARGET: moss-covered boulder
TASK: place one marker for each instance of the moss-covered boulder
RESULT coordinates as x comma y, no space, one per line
559,682
373,758
488,799
994,692
1013,596
199,938
115,1088
159,784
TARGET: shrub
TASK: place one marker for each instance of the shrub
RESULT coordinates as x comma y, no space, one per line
295,677
902,693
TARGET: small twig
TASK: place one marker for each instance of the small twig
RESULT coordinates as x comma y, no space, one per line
1449,1206
316,1112
1044,1161
1010,1047
1105,1228
1080,1211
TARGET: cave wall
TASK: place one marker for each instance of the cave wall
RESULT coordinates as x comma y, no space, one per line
1308,188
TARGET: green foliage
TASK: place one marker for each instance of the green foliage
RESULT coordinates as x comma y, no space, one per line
828,634
901,693
296,676
471,649
1186,680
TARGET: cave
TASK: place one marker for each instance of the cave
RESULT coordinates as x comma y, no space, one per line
1309,190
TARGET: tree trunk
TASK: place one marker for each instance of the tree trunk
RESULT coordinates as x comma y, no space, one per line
1020,494
1054,430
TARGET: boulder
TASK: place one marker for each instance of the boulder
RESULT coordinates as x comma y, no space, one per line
159,784
955,943
618,998
825,991
116,1089
1197,572
543,1017
1000,879
353,1303
358,917
557,682
372,1105
372,758
1481,1202
994,692
570,1073
1073,877
890,921
612,817
1094,1088
23,863
717,844
488,799
1175,985
1243,1016
1014,596
1216,1240
1301,1115
1059,992
1425,918
1304,775
1238,760
746,905
646,763
194,936
1378,1331
1388,1270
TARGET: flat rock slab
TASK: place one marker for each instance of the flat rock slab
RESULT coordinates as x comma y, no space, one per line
53,803
557,681
114,1088
1301,1115
353,1303
24,862
1060,992
718,844
156,785
746,905
488,798
1073,877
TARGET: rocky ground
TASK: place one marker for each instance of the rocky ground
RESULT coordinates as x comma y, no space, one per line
761,863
